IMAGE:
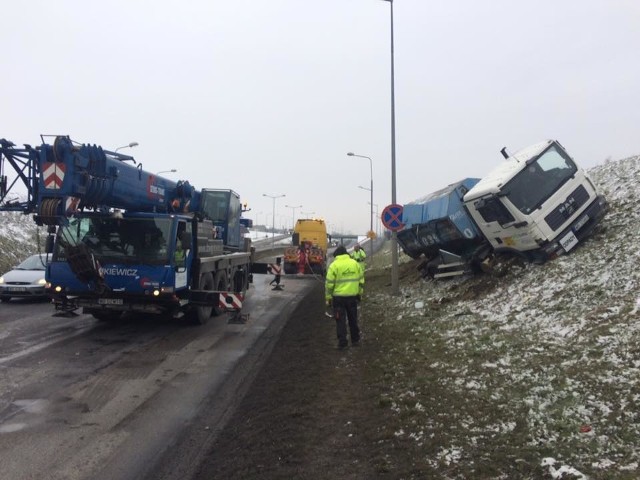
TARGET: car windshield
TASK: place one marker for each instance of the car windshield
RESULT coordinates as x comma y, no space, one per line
532,186
119,240
34,262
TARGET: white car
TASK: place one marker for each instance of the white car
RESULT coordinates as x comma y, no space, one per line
26,280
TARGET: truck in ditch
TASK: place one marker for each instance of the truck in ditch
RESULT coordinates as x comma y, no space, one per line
534,206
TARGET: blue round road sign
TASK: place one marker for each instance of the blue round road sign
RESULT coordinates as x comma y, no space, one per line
392,217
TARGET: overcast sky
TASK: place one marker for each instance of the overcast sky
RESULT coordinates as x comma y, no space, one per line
268,96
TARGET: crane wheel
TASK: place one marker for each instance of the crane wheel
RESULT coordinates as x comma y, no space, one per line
201,314
221,283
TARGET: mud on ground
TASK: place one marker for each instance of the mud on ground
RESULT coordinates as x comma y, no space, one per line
312,412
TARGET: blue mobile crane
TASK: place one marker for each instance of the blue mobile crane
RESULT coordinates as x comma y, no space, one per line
126,240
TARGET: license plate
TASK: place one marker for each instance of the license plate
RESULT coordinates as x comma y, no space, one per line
580,223
17,289
110,301
568,241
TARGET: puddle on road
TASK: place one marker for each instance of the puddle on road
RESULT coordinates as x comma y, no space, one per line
12,427
20,409
37,405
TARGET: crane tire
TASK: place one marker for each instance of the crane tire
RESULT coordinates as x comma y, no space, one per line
221,284
201,314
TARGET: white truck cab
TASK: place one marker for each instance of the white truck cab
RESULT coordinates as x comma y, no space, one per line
538,203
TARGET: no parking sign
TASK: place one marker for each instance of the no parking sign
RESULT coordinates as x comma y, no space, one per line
392,217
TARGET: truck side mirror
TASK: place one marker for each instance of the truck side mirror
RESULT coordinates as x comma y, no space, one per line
295,239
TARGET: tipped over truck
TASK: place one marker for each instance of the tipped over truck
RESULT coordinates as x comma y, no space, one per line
536,205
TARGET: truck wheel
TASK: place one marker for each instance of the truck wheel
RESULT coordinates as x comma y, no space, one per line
221,285
240,281
202,313
504,261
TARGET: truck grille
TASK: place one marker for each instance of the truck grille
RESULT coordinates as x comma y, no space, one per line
561,214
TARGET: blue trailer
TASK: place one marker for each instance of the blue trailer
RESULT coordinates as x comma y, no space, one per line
438,227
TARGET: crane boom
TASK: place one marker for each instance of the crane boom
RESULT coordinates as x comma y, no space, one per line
63,177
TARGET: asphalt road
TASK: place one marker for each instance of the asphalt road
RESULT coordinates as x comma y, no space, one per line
81,399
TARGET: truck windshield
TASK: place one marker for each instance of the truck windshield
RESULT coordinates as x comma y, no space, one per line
119,240
533,185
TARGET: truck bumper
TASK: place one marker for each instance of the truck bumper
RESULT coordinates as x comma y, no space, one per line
113,303
581,228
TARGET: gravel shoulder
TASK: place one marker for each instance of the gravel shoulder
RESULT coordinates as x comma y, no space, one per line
309,414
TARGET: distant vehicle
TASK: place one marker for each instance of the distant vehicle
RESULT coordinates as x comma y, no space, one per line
25,280
309,252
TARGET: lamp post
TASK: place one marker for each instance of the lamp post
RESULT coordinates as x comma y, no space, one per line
351,154
173,170
130,145
293,215
273,225
394,236
377,216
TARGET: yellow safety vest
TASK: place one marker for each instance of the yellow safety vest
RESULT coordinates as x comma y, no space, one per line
359,255
344,278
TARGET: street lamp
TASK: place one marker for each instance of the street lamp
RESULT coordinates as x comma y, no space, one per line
394,236
173,170
377,216
273,225
130,145
351,154
293,215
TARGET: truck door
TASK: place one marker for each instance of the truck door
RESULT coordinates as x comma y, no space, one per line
183,253
500,226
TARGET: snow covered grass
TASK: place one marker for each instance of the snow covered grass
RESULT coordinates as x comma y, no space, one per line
533,375
18,239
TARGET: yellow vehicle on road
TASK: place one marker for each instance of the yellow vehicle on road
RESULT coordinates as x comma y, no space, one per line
308,255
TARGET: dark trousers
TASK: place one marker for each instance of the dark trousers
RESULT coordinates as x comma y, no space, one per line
346,308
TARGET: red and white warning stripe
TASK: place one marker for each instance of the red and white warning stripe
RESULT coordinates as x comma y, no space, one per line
274,268
53,175
230,301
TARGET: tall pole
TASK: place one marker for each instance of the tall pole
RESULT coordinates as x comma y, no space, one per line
273,218
293,215
376,216
395,290
351,154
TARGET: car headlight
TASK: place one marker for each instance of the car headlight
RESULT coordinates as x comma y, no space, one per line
42,281
1,279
